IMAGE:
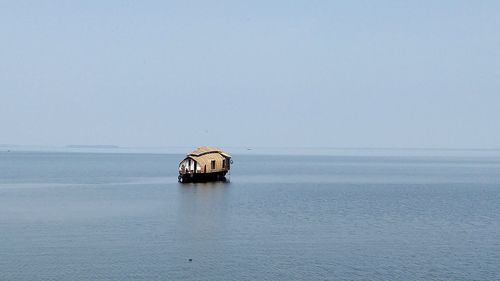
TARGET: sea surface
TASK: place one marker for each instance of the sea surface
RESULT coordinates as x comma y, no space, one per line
123,216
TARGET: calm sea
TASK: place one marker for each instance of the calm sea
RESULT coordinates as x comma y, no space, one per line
117,216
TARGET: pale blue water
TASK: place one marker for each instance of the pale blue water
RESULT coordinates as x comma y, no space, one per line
78,216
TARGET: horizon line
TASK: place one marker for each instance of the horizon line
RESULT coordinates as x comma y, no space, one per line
112,146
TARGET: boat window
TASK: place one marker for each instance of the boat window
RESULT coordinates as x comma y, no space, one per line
213,164
223,163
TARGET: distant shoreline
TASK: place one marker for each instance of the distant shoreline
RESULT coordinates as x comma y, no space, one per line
103,146
313,151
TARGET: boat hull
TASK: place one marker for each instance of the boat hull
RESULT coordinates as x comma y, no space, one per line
202,177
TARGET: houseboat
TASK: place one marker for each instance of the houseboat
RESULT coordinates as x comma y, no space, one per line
205,164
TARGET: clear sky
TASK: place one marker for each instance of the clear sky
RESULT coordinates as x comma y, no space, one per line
251,73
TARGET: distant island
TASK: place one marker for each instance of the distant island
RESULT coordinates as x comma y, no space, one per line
101,146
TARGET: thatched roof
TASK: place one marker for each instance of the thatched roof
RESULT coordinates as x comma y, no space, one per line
206,150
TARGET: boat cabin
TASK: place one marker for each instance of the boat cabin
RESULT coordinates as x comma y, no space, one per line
204,164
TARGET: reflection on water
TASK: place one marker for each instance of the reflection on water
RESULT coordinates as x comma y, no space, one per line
202,210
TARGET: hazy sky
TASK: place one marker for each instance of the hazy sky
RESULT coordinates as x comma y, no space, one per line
251,73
